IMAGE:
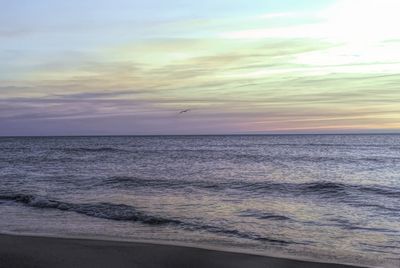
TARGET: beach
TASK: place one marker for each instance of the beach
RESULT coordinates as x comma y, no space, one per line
30,251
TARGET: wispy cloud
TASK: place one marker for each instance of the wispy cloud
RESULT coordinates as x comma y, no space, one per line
255,71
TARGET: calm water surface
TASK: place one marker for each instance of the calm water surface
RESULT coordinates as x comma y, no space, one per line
324,197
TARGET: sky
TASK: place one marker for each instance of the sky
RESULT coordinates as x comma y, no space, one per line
128,67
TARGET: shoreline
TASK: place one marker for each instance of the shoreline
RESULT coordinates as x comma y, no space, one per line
48,251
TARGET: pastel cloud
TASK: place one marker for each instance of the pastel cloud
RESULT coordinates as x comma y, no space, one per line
282,70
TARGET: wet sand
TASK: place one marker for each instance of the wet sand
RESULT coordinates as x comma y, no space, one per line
28,251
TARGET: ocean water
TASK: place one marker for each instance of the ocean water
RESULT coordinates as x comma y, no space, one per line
331,198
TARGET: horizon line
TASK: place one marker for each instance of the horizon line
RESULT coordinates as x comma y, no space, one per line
169,135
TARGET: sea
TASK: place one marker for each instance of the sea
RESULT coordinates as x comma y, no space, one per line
333,198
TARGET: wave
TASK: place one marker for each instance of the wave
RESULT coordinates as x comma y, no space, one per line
122,212
263,215
373,196
132,181
65,149
284,159
348,225
324,188
346,189
93,150
110,211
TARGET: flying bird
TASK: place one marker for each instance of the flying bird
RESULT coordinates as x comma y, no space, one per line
184,111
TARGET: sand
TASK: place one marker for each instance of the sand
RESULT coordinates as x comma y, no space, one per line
28,251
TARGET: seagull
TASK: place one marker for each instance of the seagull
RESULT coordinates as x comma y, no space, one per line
184,111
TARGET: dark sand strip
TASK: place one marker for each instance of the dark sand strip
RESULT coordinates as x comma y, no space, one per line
26,251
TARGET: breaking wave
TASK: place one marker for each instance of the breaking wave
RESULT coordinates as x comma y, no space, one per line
122,212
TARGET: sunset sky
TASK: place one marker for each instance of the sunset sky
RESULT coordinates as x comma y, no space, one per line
84,67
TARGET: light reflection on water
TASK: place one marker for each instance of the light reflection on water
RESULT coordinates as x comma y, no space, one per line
331,197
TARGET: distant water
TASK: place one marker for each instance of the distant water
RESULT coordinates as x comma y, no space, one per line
325,197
